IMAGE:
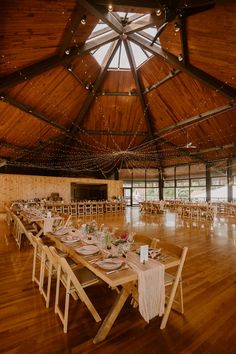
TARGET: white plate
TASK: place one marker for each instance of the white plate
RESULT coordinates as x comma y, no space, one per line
110,264
87,250
91,240
61,232
70,239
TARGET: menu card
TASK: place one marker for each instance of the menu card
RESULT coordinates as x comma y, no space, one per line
143,254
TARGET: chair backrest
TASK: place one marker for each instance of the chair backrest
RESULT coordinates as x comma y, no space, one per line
173,249
142,239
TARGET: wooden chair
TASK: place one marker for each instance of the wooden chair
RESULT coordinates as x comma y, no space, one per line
142,240
74,283
173,280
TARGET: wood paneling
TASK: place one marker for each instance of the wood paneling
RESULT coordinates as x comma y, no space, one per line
14,187
212,45
26,23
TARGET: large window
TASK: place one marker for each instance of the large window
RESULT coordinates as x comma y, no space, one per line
198,182
186,182
219,187
234,179
143,183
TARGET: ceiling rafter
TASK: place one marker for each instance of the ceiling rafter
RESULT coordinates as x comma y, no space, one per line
171,75
148,21
146,113
150,4
111,132
197,119
69,67
183,39
196,73
52,62
105,93
90,98
74,23
92,94
13,147
28,109
215,148
102,14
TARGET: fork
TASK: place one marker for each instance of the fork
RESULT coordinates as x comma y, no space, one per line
118,270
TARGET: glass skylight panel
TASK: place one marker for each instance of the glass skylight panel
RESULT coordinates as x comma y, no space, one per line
99,55
120,59
124,62
115,61
139,55
151,30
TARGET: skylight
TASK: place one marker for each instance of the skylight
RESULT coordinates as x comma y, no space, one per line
120,59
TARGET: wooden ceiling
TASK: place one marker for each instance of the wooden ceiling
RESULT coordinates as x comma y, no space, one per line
62,113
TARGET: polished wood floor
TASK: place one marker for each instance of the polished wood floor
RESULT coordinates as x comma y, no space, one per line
209,323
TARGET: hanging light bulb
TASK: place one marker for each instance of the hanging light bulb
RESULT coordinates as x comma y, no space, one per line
176,27
158,12
110,8
84,20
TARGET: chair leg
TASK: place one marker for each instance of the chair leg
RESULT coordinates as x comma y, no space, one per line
49,285
57,289
66,312
181,297
169,305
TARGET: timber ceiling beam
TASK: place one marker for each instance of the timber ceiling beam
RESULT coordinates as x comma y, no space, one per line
52,62
196,119
111,132
92,94
162,81
146,113
104,93
102,14
196,73
147,4
183,39
215,148
138,87
13,147
76,18
28,109
146,22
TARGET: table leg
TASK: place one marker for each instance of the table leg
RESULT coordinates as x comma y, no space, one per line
112,315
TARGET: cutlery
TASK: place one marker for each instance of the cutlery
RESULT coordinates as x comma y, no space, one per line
118,270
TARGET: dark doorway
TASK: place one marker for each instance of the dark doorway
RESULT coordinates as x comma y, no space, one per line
81,191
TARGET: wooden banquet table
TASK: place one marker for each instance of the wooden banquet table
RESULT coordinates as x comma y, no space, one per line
126,278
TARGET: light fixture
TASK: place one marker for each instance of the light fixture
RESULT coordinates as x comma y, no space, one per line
158,12
110,8
84,20
180,58
176,27
67,51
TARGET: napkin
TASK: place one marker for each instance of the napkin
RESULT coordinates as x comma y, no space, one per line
151,287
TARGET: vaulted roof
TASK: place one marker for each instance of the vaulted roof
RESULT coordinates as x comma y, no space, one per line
65,110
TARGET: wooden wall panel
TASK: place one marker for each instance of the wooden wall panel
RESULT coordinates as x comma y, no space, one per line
13,187
32,31
211,41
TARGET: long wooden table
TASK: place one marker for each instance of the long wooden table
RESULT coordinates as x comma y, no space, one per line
126,279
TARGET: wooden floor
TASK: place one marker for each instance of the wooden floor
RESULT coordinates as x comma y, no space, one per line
209,323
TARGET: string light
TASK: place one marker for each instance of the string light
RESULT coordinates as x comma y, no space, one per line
105,156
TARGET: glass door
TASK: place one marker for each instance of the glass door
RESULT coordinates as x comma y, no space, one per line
128,195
